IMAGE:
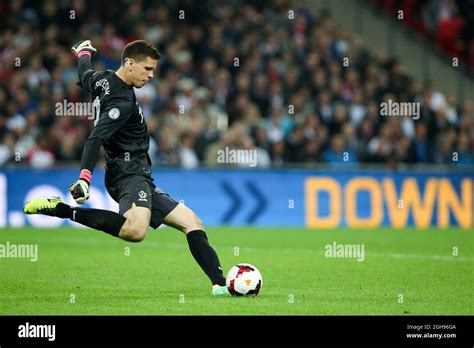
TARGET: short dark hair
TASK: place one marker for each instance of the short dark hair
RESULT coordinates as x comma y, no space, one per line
139,50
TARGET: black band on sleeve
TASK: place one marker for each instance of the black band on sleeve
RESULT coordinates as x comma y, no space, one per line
90,154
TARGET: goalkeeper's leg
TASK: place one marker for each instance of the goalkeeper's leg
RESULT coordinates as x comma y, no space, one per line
132,226
185,220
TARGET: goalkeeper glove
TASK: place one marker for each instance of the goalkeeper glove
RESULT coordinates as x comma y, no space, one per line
80,189
84,45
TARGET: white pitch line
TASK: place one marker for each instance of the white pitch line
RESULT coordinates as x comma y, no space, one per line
184,246
421,256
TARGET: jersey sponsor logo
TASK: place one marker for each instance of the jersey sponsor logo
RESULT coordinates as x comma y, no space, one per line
140,112
142,196
104,84
114,113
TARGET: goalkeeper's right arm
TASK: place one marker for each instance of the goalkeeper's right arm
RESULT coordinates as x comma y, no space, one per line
80,189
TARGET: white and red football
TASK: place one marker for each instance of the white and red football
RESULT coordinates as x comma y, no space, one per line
244,279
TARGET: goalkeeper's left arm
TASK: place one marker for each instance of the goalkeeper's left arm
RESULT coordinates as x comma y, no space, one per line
80,190
84,52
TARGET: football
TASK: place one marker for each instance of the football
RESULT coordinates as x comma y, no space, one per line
244,279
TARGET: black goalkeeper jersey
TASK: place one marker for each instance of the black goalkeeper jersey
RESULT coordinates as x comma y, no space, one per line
119,123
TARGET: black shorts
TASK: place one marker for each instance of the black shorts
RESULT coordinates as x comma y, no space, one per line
143,192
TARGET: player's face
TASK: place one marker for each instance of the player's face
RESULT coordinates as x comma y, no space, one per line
142,71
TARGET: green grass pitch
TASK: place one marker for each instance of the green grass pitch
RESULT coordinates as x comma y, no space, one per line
404,272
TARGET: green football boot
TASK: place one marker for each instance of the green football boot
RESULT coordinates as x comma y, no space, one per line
218,290
45,206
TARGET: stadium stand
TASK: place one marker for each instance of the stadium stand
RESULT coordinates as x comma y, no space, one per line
227,78
448,23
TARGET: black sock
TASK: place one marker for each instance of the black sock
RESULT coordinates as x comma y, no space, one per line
205,256
103,220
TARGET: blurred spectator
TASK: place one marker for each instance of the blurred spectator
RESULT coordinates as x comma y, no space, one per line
420,145
187,156
41,156
7,149
338,151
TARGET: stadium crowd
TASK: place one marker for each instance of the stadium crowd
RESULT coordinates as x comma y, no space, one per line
238,74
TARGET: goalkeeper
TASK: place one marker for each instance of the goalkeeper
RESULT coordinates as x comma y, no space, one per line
119,127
